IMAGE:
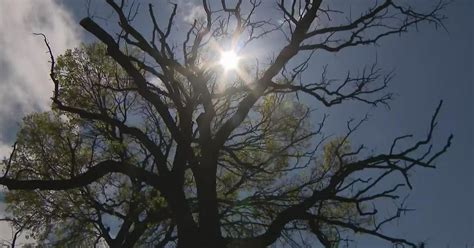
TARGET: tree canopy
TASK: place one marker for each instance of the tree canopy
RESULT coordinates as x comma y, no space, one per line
152,143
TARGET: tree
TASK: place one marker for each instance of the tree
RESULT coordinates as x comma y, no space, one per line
150,142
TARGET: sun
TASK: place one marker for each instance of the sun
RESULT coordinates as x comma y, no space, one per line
229,60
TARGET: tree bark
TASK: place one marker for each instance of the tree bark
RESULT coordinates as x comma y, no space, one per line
209,226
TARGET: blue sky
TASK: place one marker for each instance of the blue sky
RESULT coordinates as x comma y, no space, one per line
429,65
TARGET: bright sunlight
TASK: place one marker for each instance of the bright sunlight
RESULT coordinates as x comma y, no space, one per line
229,60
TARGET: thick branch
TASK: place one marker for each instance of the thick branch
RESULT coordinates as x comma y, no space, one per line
114,51
91,175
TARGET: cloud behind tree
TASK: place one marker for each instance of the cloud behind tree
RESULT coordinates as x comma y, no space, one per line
24,83
24,67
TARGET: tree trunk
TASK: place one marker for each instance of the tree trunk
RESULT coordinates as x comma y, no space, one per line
209,226
187,230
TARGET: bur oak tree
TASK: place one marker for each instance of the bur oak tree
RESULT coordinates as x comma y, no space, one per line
182,136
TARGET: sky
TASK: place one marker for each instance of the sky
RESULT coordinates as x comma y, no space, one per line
429,65
24,77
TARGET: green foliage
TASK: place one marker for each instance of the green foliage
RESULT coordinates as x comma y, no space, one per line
52,147
86,74
59,145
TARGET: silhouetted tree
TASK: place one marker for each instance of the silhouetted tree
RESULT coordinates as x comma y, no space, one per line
150,142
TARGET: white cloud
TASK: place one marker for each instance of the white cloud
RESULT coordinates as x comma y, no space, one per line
24,68
5,150
191,10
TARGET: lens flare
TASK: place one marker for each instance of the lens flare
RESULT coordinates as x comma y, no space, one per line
229,60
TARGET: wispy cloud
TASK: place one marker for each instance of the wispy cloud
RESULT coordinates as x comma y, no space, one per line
24,65
191,10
